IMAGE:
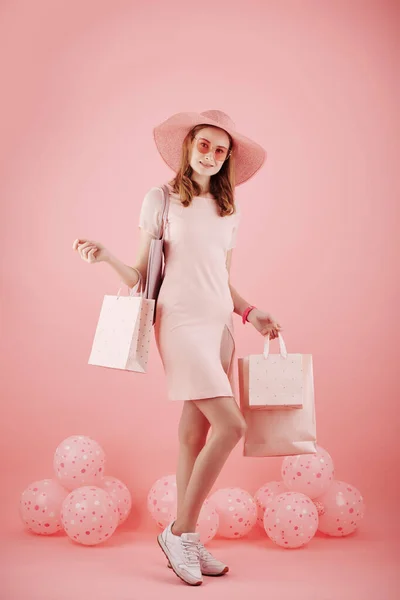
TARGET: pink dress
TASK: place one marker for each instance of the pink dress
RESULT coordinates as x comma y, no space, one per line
194,326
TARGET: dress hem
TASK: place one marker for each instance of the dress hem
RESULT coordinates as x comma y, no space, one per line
208,397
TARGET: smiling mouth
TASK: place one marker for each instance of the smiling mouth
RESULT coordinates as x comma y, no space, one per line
207,166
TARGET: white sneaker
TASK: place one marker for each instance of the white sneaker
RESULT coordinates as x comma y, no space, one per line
209,565
183,554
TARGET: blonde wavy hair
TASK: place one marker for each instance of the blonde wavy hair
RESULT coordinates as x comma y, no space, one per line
222,184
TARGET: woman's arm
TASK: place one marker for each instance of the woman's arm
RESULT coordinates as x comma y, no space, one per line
130,275
239,303
262,321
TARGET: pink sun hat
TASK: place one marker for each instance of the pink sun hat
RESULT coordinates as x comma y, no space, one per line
169,136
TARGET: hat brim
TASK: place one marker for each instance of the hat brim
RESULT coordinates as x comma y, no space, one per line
169,136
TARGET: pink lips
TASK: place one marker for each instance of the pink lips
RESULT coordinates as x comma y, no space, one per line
206,166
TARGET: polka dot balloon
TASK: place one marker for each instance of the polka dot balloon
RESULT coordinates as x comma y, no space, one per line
343,509
264,495
291,520
40,506
162,500
89,515
309,474
120,494
208,522
237,512
79,461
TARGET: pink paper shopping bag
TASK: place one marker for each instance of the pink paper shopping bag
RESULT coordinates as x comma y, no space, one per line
123,333
281,431
276,380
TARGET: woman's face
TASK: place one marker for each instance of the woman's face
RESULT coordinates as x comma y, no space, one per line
215,143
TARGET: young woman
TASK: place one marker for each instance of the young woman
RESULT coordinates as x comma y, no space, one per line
193,326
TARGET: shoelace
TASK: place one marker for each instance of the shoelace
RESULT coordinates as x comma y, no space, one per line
204,553
190,552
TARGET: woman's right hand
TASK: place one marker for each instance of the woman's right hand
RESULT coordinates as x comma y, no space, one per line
91,251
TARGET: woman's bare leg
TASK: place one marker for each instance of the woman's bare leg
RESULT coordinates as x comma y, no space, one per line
228,427
192,433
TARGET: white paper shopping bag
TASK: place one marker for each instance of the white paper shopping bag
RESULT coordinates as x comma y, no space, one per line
276,381
123,333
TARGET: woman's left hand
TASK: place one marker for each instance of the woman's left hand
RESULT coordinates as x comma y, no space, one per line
264,323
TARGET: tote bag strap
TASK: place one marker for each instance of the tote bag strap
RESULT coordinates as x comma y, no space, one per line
139,286
161,231
156,253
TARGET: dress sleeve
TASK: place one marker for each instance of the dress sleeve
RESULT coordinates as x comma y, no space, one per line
151,211
236,222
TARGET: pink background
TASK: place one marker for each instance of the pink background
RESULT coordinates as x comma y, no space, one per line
83,84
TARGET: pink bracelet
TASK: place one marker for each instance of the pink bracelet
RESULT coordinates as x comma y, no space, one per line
246,312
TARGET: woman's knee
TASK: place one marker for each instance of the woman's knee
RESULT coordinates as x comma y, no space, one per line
193,426
232,432
226,419
239,429
193,439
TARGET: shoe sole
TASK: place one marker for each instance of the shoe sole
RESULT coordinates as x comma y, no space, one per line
207,574
164,549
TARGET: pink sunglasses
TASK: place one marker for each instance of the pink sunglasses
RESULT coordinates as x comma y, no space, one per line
220,152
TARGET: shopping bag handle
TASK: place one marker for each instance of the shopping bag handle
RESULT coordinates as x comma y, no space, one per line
282,347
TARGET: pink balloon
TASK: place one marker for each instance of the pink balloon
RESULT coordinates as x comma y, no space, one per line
162,500
343,509
264,495
319,506
291,520
120,494
208,522
309,474
237,512
40,506
79,461
89,515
